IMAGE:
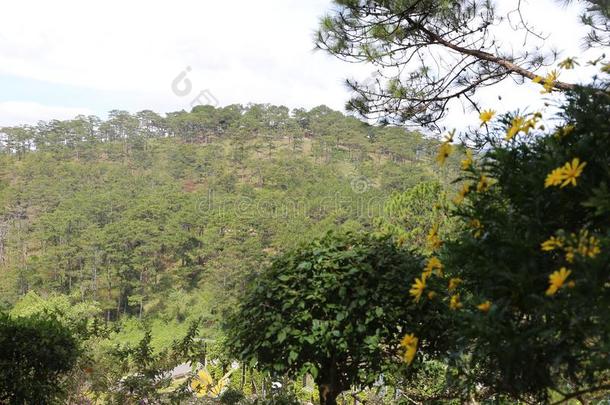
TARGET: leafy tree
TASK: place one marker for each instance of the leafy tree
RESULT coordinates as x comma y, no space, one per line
333,308
35,354
526,277
524,281
151,124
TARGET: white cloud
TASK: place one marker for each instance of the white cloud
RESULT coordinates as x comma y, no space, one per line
241,50
18,112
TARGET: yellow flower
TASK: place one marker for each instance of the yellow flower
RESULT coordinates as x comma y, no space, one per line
409,343
454,283
568,63
549,81
557,279
485,306
443,152
483,184
565,175
434,264
434,242
583,244
551,244
408,340
531,123
552,76
486,116
410,354
593,249
457,200
467,161
571,171
537,79
565,131
515,127
417,288
426,274
554,178
431,295
477,228
570,254
588,246
455,302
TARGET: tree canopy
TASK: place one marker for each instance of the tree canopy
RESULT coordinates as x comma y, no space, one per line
36,353
525,276
333,308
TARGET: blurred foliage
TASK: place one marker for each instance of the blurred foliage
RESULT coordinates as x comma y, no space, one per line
36,354
410,215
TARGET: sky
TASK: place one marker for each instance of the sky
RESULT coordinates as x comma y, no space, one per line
62,58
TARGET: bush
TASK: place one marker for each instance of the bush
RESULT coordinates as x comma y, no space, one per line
231,396
283,397
334,308
35,355
530,269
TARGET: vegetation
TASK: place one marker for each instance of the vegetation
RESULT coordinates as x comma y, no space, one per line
35,355
525,274
129,230
382,265
136,211
332,308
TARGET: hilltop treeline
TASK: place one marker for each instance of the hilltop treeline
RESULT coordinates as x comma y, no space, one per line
205,124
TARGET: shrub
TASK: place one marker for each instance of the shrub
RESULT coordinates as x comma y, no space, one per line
231,396
527,279
35,354
334,308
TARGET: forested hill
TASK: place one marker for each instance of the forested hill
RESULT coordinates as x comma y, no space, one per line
140,212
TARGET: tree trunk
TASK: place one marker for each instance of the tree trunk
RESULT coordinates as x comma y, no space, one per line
243,377
329,385
328,393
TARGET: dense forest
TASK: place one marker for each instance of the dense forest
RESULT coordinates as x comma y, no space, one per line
138,212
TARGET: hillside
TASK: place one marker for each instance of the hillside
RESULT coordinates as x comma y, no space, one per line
131,211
